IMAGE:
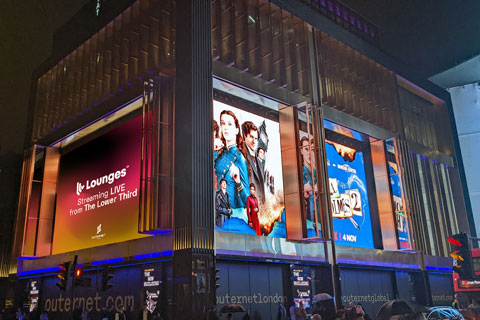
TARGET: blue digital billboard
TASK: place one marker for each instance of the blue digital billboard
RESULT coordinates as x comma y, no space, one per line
348,196
400,218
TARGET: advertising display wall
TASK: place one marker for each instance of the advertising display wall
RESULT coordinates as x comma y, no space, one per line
248,173
400,218
348,193
98,189
247,159
348,196
397,197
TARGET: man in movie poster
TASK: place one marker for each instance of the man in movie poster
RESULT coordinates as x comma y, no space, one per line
243,156
309,176
255,173
222,204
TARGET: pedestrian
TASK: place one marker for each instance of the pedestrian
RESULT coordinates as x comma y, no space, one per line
455,304
292,311
474,304
19,315
359,309
351,313
34,314
300,312
121,314
104,315
359,316
282,312
77,314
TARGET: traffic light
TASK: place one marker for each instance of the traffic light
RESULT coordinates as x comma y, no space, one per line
462,255
64,275
106,277
217,278
78,272
79,280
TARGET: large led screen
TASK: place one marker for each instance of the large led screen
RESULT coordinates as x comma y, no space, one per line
348,196
98,191
248,173
400,218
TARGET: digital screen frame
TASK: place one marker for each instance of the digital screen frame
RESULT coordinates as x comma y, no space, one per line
258,162
98,191
349,196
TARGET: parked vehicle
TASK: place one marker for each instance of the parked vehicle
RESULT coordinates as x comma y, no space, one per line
435,313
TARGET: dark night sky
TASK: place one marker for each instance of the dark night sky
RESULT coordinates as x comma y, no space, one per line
429,35
25,41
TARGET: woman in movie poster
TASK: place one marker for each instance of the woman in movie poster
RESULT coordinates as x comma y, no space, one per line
230,162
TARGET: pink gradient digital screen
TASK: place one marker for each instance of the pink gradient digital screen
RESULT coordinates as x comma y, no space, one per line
98,191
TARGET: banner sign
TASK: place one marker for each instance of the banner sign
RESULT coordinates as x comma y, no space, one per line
301,285
151,286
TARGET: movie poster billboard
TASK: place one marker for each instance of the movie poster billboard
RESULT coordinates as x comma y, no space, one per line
247,173
348,193
98,190
400,218
348,196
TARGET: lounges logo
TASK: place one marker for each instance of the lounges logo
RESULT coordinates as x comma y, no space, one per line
80,188
108,178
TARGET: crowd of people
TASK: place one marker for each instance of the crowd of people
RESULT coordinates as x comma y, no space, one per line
78,314
322,312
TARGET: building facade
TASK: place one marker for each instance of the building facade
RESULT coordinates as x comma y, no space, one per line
268,147
461,81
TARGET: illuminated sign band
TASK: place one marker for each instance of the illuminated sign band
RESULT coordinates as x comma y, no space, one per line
468,284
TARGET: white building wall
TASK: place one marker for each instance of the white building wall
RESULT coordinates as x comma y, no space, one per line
466,107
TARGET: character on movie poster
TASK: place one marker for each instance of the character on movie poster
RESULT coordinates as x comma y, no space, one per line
248,173
310,187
